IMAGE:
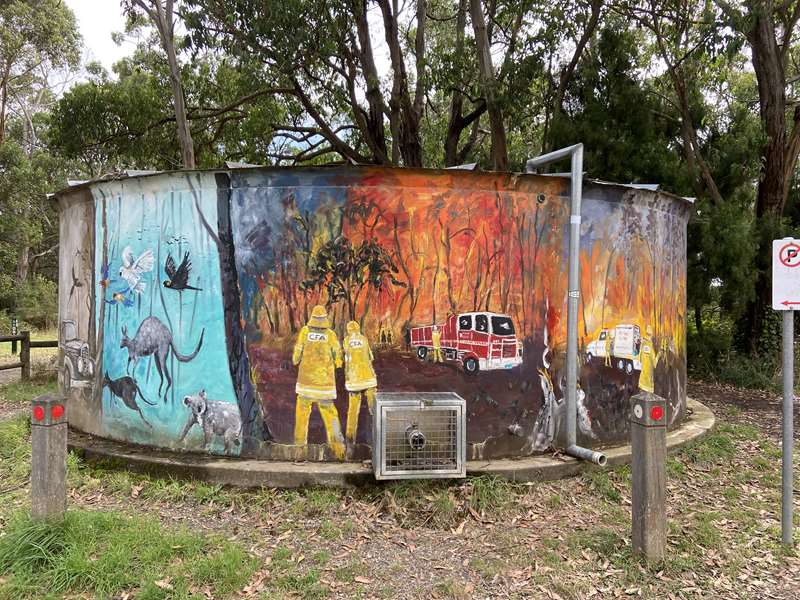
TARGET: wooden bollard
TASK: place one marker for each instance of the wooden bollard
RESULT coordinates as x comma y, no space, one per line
25,355
48,457
649,475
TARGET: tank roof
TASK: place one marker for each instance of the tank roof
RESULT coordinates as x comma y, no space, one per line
466,171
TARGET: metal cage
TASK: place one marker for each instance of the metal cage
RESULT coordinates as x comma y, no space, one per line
419,435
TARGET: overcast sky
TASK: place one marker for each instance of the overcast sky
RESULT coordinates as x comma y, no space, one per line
97,20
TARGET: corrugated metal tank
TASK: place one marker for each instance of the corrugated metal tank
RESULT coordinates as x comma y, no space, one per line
192,295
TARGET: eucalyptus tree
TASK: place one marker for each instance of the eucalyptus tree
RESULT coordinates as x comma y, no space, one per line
110,124
770,29
321,56
36,38
161,14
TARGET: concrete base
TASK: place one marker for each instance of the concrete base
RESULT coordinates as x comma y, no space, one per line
258,473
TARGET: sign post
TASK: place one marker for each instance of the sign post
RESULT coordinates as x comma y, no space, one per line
14,331
786,298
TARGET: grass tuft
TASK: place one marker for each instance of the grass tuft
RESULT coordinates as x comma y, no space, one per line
717,448
104,554
21,393
489,494
15,451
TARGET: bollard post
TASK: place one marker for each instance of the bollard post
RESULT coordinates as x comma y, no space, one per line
48,457
649,475
25,355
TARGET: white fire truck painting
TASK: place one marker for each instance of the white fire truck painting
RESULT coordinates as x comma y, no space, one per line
619,347
477,341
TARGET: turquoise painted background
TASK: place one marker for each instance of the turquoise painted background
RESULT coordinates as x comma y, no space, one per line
160,215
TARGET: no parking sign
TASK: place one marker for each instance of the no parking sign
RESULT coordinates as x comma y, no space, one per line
786,274
786,297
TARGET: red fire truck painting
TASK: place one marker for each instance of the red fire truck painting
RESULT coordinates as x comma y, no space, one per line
479,341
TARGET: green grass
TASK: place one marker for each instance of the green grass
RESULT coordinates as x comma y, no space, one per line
289,580
22,393
716,448
489,494
603,485
15,452
104,554
38,336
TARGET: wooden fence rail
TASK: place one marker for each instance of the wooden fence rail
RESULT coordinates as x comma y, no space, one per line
24,337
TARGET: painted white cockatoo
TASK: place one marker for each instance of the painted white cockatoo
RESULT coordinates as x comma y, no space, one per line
132,268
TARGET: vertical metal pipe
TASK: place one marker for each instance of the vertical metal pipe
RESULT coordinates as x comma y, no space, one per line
787,441
576,191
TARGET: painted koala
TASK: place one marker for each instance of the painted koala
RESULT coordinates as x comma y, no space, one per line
215,417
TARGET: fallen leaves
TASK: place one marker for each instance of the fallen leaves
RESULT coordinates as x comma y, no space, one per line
257,583
164,584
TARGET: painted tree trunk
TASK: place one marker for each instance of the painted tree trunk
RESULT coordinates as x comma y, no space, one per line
253,425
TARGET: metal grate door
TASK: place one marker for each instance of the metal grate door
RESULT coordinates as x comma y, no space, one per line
419,435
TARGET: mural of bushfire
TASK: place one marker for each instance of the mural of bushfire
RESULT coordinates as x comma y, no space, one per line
256,312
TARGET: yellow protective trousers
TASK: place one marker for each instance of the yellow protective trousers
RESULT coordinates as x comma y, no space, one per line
330,417
437,355
353,409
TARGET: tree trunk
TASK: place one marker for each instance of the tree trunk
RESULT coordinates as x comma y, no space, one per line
499,148
184,133
457,122
182,122
568,72
376,138
768,66
23,263
163,18
403,116
4,99
778,158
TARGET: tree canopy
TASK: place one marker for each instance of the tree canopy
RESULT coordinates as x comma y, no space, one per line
700,97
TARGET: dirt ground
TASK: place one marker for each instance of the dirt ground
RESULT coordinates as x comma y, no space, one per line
487,539
756,407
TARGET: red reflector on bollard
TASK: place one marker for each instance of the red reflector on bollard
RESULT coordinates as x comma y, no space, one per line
57,411
656,413
38,413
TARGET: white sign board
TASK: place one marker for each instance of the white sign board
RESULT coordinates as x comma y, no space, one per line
786,274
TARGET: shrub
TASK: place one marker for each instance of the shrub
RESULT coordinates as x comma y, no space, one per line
37,302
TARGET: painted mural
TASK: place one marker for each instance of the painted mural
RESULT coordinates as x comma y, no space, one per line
163,376
76,330
258,311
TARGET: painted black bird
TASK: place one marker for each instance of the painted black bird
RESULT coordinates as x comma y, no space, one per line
178,277
76,283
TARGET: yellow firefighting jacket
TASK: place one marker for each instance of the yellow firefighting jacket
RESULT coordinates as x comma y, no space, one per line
318,354
649,360
359,374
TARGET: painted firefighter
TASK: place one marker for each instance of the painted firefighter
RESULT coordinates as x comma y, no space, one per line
436,339
649,359
359,377
607,361
317,354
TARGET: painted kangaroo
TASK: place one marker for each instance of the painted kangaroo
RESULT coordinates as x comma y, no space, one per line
215,418
126,389
153,338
